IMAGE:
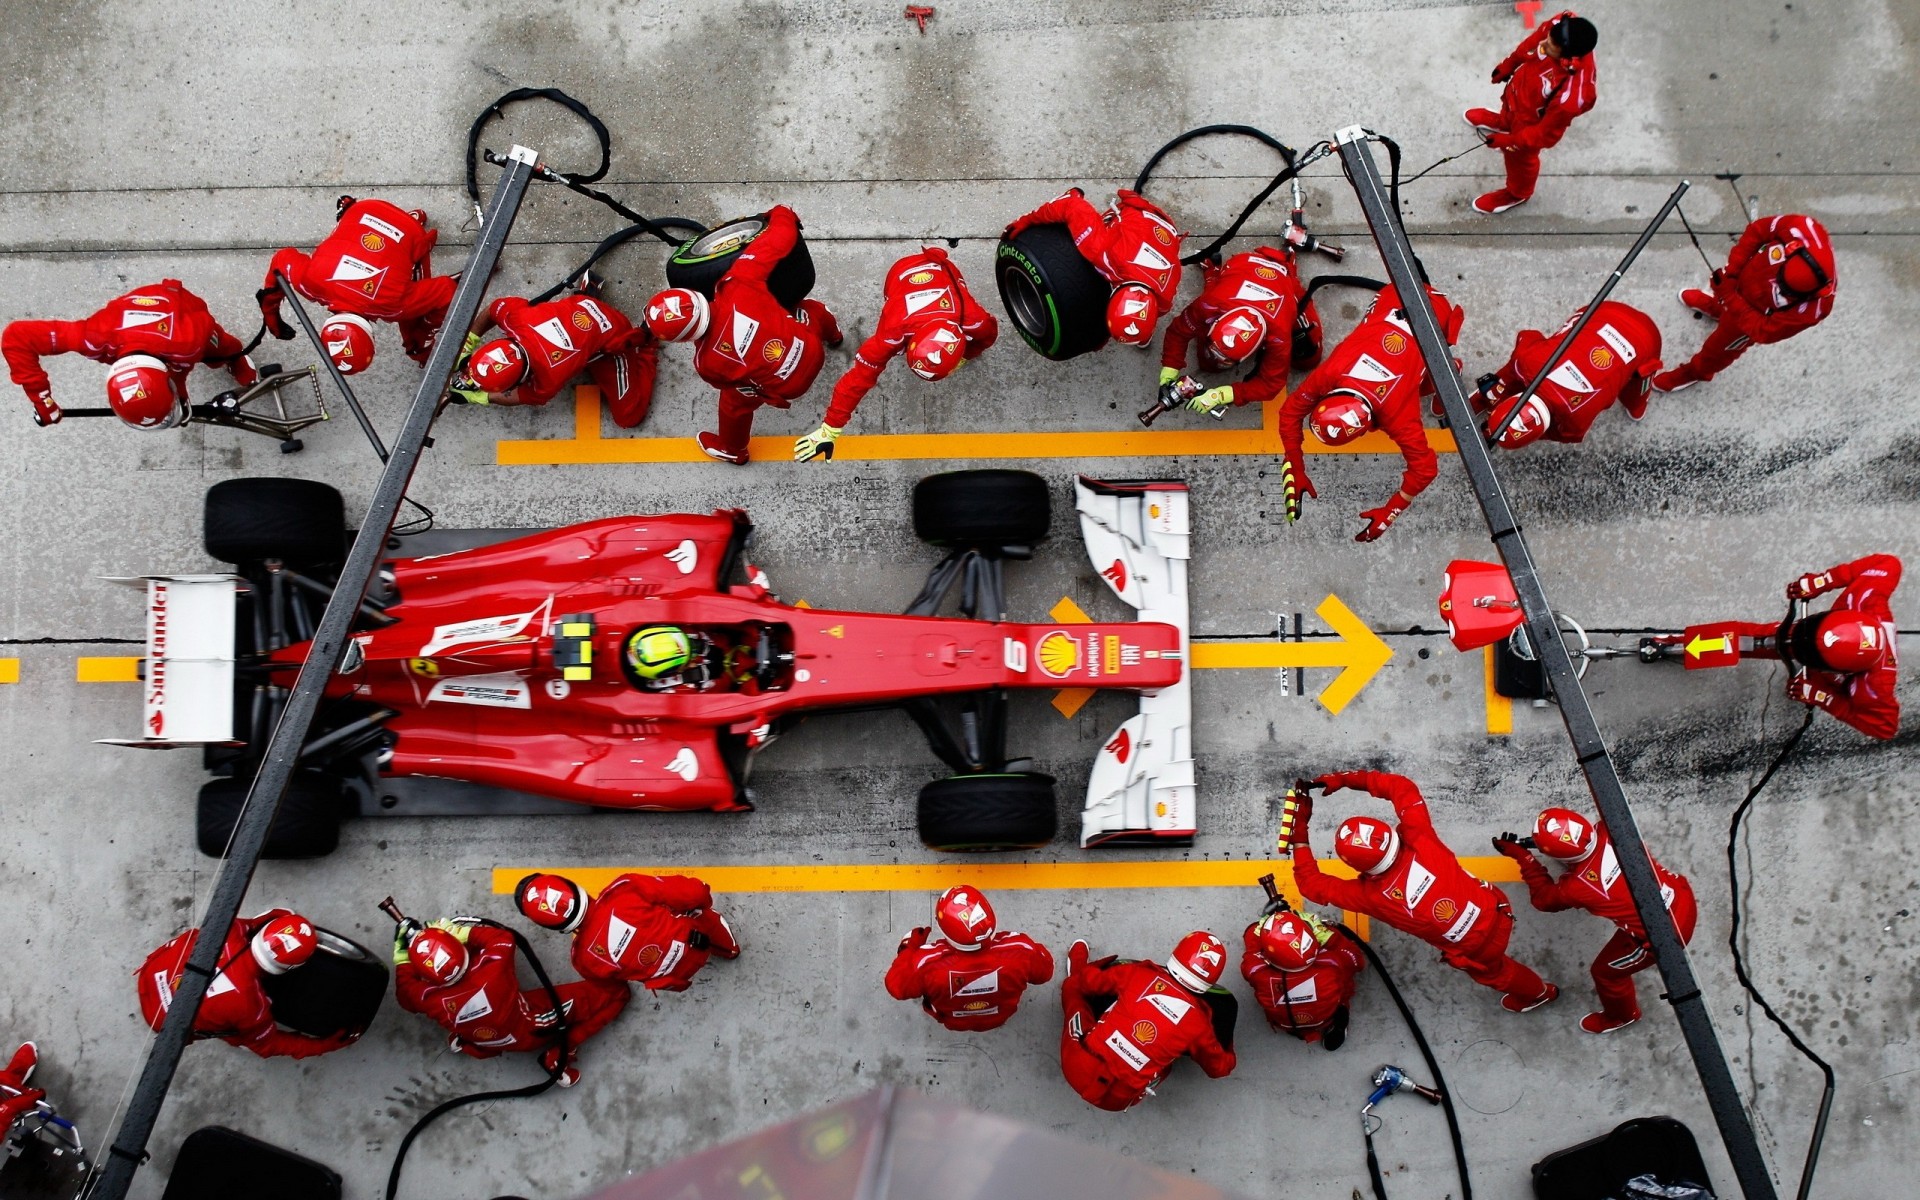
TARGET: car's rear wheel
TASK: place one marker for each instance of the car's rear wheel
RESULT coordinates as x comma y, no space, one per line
338,990
700,262
296,520
984,813
306,826
984,509
1057,300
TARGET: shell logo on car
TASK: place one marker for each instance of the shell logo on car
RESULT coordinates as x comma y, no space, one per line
1058,653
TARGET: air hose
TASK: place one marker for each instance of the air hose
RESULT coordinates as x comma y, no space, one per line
1293,160
534,1089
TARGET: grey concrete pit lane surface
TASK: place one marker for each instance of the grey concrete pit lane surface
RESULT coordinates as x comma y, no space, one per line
138,143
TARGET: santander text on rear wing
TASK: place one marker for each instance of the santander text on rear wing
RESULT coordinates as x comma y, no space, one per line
187,680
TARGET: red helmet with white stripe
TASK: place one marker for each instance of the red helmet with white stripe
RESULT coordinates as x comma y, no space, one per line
678,314
1367,844
1340,418
438,955
1564,834
141,392
1198,961
965,918
1529,427
283,944
1131,313
937,350
348,338
1849,643
1287,940
551,901
498,365
1238,333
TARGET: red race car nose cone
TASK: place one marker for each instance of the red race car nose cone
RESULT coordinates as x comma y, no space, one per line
1479,604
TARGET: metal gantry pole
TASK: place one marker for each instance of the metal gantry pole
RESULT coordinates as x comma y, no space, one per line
333,369
128,1149
1589,746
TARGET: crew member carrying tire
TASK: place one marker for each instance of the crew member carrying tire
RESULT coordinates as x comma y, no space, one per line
1251,309
653,930
376,265
928,313
1411,880
542,347
236,1008
745,342
970,975
1614,358
1591,880
1374,379
153,336
1303,971
1127,1023
1134,246
16,1098
1779,279
462,973
1550,80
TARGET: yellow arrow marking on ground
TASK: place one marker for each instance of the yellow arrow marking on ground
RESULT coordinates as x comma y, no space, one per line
1359,653
589,445
1700,645
107,670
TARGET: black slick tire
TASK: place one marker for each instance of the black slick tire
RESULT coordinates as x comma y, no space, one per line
338,990
984,508
986,813
296,520
307,825
699,262
1056,299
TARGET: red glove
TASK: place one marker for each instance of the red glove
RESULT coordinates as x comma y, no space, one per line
269,301
1808,586
243,371
1334,782
915,937
1509,845
1806,691
1381,519
45,411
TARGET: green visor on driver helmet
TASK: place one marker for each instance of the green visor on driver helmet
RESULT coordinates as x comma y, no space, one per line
658,650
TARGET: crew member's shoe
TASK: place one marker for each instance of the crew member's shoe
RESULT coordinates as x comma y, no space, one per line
1076,956
1701,301
1484,121
1602,1023
710,446
1672,381
25,1059
1496,202
1520,1004
726,945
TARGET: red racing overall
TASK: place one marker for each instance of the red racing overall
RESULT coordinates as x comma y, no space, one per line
1114,1061
642,929
1133,241
1748,302
1304,1003
1614,358
922,289
487,1013
377,264
968,990
1264,279
236,1009
576,333
1542,97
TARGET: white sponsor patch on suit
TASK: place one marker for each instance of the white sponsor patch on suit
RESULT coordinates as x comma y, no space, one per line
1259,260
135,318
1571,378
598,314
980,985
1173,1006
1460,928
378,226
352,270
619,936
1609,868
745,329
1250,290
1621,346
1419,879
1146,256
221,985
555,332
1369,369
163,990
1306,992
671,959
477,1006
486,629
1129,1053
923,298
505,690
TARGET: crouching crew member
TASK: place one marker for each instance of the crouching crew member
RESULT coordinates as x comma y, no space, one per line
236,1008
543,347
1303,972
1614,358
653,930
1133,244
1127,1023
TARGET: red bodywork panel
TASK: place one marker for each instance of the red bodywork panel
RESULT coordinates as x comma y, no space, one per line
468,666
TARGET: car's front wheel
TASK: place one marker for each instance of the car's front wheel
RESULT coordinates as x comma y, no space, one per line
985,813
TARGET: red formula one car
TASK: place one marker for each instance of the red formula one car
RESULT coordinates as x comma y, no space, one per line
504,665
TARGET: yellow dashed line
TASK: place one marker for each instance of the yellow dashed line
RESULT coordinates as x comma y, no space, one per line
107,670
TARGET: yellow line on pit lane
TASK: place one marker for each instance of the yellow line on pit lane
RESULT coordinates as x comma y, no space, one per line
589,446
9,670
106,670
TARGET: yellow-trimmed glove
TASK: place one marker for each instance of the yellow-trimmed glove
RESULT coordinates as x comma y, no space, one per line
818,444
462,387
1211,399
402,934
1168,375
459,927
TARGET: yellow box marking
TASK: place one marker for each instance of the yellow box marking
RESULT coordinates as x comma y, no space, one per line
107,670
9,670
1069,701
589,446
1499,708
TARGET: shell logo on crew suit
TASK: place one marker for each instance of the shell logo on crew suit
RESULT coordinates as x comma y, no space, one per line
920,277
1600,357
1393,343
1146,1032
373,242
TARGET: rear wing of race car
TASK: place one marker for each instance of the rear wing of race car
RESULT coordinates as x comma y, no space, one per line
1141,791
187,681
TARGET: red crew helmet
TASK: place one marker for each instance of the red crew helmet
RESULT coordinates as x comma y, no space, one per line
1238,333
497,366
348,338
1198,961
678,314
551,901
1564,834
283,944
1527,428
438,955
1367,844
1340,418
937,351
1287,940
1131,313
965,918
141,392
1847,642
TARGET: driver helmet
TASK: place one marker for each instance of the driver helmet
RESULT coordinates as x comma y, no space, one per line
658,650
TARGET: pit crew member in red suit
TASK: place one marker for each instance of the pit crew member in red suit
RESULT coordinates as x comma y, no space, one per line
1253,307
16,1098
1128,1022
970,975
542,347
1591,880
930,315
153,336
1614,358
1411,880
376,265
1779,279
744,342
1374,379
1550,80
653,930
462,973
1133,244
1303,972
236,1009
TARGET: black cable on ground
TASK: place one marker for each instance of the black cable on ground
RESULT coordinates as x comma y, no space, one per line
1433,1065
1695,239
1293,161
1359,281
611,242
440,1110
556,96
1740,963
1443,162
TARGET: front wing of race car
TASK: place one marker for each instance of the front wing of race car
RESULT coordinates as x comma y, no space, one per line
1141,790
